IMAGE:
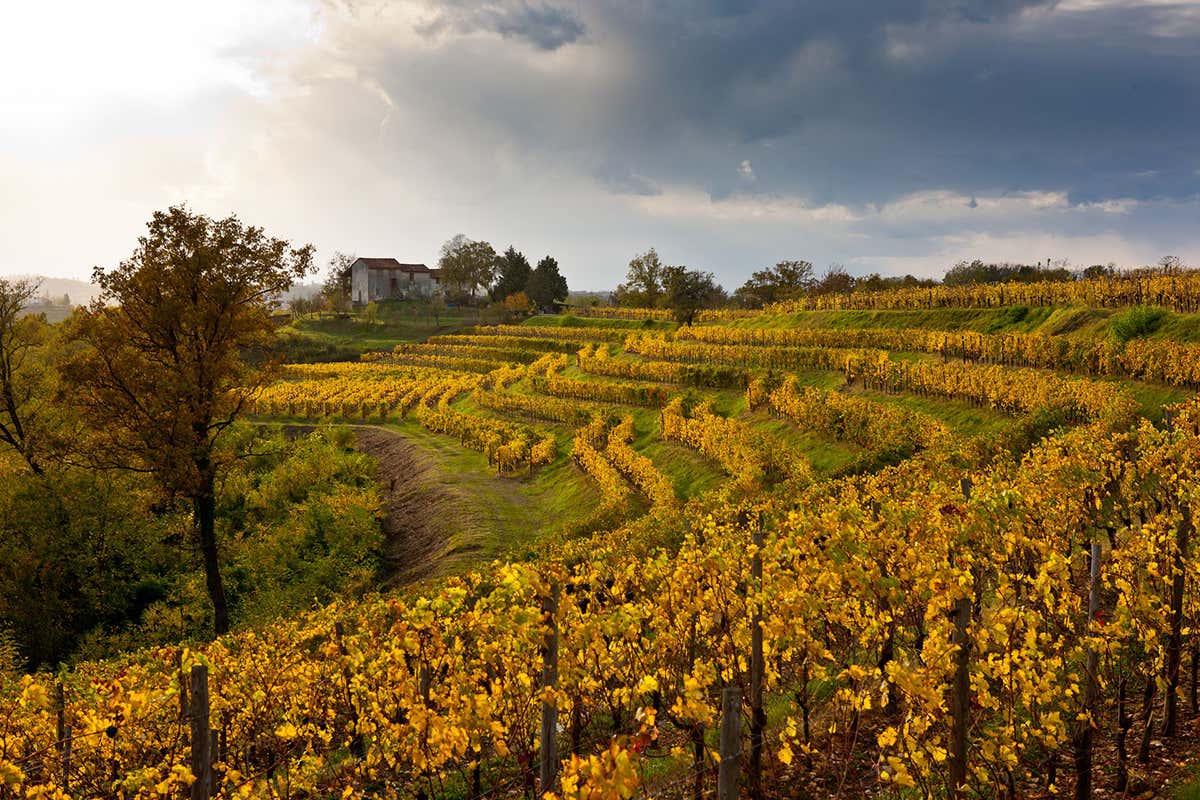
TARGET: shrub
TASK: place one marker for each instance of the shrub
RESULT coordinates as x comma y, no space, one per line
1137,322
1011,316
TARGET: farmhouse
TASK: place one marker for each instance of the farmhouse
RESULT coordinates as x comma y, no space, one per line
388,279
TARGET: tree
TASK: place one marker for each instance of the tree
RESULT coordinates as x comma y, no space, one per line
835,281
547,285
339,281
1100,271
305,306
23,376
164,357
686,291
371,313
467,265
643,287
436,306
787,280
513,274
1170,265
518,303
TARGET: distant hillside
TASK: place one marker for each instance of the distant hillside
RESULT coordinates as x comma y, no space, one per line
300,290
54,289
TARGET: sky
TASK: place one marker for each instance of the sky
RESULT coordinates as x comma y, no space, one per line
899,136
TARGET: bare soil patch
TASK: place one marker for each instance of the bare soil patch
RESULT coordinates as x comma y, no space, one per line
415,505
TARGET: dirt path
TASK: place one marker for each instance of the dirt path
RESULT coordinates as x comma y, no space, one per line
414,502
442,515
446,511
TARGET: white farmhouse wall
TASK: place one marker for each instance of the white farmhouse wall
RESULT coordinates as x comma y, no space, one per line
369,283
359,276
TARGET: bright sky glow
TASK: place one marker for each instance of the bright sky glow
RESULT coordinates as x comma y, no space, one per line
893,137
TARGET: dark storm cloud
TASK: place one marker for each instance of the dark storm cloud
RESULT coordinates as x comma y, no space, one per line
544,26
863,101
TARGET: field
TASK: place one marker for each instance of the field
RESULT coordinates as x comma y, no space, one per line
913,551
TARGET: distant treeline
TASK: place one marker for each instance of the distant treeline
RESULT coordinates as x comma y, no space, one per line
650,284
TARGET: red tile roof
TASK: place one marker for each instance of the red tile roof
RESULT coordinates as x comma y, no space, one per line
391,263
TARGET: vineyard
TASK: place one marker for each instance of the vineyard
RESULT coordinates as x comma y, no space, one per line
876,593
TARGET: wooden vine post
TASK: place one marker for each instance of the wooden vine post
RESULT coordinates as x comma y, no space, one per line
1183,537
731,743
960,687
1085,733
63,731
758,717
201,788
548,745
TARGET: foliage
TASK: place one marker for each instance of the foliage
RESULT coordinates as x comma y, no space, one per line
968,272
518,303
1136,322
410,694
835,281
513,274
26,421
94,562
643,285
467,265
300,520
787,280
80,552
161,361
335,293
547,286
686,291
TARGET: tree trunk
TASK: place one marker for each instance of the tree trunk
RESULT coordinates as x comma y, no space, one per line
1124,723
204,509
1175,638
1148,716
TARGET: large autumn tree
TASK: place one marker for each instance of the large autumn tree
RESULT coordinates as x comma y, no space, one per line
467,265
23,375
162,359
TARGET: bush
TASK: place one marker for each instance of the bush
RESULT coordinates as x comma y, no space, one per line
570,321
1137,322
94,564
1011,316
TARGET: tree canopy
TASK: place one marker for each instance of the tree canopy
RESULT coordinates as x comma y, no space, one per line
786,280
547,285
24,379
163,359
467,265
643,287
686,291
513,274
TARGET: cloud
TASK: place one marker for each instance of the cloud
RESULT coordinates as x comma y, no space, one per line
731,134
544,26
623,180
741,207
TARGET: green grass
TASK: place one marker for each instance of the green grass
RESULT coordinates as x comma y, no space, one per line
1137,322
499,515
1075,321
958,415
691,473
572,321
1151,397
1186,785
342,339
511,515
827,455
